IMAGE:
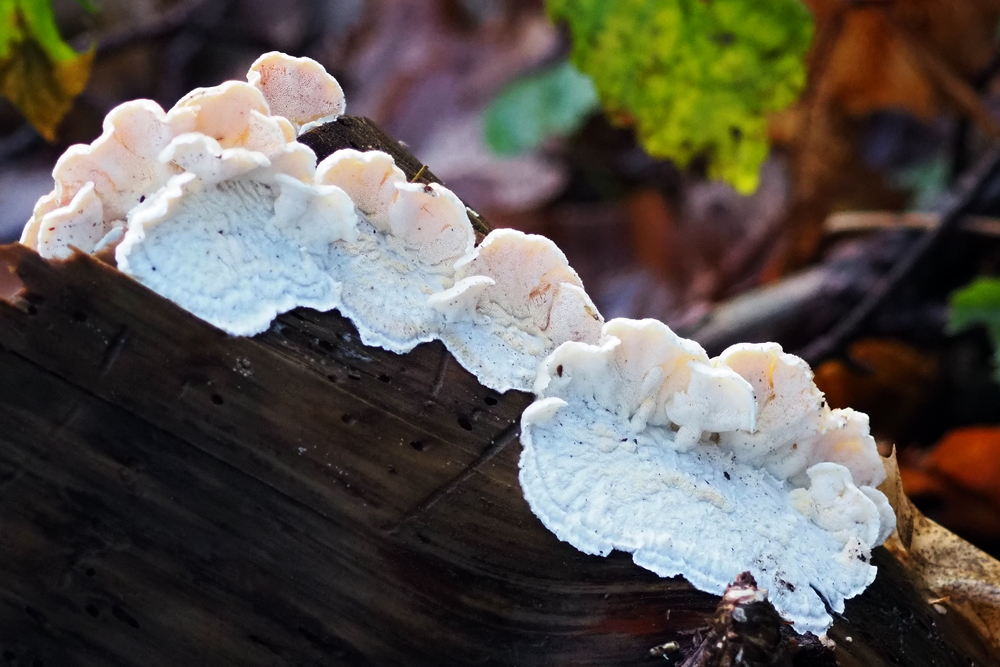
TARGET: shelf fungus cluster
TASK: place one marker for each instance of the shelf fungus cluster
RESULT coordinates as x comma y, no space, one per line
216,206
637,441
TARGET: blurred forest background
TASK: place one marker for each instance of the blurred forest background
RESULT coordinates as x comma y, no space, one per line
878,204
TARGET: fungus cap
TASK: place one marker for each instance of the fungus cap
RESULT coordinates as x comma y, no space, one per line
122,164
515,299
236,115
79,224
606,465
369,178
298,89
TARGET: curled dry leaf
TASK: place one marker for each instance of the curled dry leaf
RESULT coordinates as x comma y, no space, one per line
970,457
958,480
961,576
39,72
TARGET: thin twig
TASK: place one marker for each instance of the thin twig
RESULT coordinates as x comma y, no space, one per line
984,77
850,222
969,193
419,173
980,83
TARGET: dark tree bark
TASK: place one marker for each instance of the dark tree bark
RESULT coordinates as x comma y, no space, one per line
175,496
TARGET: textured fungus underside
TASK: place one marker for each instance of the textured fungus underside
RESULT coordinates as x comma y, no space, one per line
168,190
698,514
606,465
226,257
515,300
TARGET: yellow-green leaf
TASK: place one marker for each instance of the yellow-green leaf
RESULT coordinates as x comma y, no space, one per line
39,72
695,77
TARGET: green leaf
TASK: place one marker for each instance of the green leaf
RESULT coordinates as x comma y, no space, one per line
39,72
979,303
926,181
695,77
88,6
529,111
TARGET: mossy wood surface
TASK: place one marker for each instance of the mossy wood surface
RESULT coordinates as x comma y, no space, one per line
172,496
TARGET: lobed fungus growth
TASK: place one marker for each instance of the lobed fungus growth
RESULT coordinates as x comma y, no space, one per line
637,441
514,301
218,207
703,468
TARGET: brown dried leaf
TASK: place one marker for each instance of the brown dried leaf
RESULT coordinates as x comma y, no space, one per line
970,457
961,576
960,479
39,72
41,90
912,55
888,380
902,54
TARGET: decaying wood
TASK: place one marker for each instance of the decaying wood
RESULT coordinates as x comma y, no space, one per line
175,496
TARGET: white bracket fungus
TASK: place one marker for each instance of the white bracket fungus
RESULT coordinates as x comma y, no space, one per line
298,89
514,301
607,465
236,252
637,440
216,206
411,235
79,224
122,165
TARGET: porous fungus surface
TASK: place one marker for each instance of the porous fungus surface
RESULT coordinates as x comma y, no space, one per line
236,252
515,300
606,466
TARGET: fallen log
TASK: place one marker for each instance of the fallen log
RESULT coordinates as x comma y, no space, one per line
174,495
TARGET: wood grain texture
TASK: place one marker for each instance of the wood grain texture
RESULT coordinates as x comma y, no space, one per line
170,495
